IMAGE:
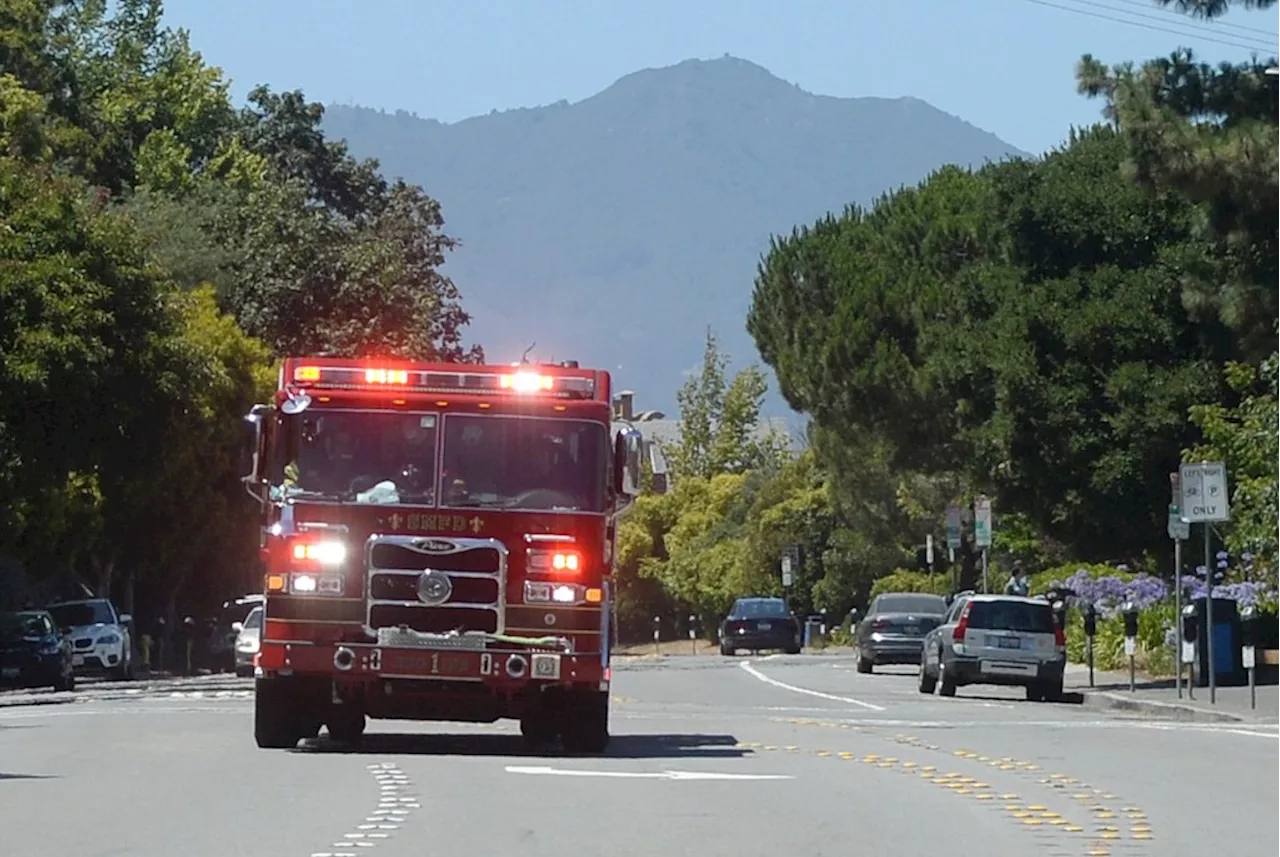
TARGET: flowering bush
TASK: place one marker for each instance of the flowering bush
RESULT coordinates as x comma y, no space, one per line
1109,593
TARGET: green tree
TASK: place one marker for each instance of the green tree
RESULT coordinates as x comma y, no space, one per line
1019,329
720,421
1211,134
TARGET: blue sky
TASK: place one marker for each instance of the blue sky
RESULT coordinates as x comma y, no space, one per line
1004,65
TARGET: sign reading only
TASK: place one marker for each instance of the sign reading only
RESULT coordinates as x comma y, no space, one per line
1204,492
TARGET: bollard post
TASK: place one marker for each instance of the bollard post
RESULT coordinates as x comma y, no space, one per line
693,634
657,626
1248,650
1090,631
1131,640
1188,653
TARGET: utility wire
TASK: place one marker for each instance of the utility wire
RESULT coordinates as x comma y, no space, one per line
1191,35
1217,22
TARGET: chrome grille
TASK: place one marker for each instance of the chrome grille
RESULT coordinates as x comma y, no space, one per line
476,569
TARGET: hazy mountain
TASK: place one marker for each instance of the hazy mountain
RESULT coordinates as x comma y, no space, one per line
614,230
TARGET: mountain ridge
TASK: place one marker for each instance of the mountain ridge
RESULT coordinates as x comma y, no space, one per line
616,228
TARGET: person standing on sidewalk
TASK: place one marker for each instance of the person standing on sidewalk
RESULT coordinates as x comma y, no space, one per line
1018,583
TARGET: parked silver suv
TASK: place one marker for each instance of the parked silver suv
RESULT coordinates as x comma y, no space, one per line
998,640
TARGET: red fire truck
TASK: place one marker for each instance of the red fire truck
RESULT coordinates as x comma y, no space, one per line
438,544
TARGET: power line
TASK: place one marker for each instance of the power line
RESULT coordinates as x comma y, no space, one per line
1217,22
1152,27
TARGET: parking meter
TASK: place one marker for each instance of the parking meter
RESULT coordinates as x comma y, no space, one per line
1248,643
1130,611
1090,631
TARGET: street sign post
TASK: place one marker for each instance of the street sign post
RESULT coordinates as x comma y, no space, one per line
953,531
982,532
1204,500
790,565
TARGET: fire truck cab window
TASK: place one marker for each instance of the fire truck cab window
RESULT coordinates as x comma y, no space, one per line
344,453
523,463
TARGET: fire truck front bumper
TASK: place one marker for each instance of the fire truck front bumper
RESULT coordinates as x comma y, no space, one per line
495,665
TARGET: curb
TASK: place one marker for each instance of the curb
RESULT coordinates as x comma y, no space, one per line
1170,710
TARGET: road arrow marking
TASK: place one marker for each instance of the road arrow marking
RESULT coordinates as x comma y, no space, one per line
645,775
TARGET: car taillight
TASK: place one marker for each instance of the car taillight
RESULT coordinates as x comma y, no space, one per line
962,625
880,624
1059,635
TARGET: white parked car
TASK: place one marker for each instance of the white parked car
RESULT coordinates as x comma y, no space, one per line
248,639
101,636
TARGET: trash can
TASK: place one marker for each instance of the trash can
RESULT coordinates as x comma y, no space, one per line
1228,665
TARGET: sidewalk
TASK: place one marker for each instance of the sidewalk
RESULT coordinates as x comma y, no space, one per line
1158,697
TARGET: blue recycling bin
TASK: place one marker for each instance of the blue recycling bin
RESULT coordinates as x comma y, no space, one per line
1228,665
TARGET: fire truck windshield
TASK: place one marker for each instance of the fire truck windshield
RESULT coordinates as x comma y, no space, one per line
516,462
348,454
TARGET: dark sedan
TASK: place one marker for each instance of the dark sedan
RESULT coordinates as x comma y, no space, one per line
893,630
759,624
33,653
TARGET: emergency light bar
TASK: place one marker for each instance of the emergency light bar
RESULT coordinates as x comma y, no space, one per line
520,382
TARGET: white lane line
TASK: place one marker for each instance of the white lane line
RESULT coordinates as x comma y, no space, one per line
641,775
755,673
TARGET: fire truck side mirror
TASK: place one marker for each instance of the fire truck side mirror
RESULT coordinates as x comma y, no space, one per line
253,453
627,450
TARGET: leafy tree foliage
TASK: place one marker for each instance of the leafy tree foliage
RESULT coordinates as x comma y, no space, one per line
1021,326
160,248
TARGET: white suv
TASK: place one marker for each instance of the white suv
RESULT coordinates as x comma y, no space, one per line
101,640
996,639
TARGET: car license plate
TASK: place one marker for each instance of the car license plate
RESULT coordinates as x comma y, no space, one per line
1010,643
10,672
77,660
912,629
764,626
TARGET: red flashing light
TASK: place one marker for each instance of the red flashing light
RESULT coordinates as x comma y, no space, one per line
527,382
386,376
555,562
963,624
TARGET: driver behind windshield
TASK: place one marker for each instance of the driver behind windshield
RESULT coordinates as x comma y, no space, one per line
471,460
329,460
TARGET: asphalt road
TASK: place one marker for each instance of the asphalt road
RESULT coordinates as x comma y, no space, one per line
711,756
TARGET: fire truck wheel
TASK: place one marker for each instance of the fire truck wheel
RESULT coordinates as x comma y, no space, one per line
347,728
586,722
279,722
538,728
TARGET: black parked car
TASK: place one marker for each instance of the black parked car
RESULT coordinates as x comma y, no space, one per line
33,653
757,624
893,630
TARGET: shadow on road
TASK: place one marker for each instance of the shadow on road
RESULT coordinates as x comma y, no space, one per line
4,776
648,746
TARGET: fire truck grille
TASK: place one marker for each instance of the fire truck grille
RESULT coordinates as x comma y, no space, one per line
476,570
435,620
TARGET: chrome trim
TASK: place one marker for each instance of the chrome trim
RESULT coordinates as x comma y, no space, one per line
434,560
546,537
344,659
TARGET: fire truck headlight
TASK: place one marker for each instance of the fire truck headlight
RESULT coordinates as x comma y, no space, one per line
313,584
536,592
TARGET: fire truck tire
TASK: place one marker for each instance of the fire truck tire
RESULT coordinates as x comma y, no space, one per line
586,722
538,727
347,727
279,718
